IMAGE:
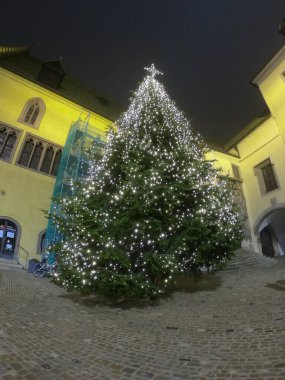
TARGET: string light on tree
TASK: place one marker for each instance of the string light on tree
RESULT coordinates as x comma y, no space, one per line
152,207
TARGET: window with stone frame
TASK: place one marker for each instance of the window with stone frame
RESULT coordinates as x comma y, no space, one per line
42,242
9,138
266,176
40,155
56,162
33,112
236,171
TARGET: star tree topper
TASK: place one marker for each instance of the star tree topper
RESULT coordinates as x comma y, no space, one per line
153,71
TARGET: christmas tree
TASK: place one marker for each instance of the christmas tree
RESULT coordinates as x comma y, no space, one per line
151,208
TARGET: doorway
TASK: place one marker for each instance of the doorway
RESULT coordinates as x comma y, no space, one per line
271,230
8,239
266,241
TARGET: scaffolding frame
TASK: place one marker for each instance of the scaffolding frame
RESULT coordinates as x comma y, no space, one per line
73,167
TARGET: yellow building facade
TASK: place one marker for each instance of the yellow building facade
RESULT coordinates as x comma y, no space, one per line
38,105
35,118
260,160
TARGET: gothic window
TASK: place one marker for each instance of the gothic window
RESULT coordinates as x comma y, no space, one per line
26,152
37,153
9,145
8,140
47,160
3,136
266,176
56,162
42,242
33,112
40,155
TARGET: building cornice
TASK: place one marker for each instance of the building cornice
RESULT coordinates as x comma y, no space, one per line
247,131
269,67
52,94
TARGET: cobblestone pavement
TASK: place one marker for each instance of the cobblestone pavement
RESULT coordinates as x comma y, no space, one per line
234,331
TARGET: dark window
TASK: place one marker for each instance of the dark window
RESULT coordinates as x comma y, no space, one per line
269,177
40,155
47,160
236,171
35,115
266,176
43,242
8,140
26,152
33,112
56,162
8,146
37,153
3,136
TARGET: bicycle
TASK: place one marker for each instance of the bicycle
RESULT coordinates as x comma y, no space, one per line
44,269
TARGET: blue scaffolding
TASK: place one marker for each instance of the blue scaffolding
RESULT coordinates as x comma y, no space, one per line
74,165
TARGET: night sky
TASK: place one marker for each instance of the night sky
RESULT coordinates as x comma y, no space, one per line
208,50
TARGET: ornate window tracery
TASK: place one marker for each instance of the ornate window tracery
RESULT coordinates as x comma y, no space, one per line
40,155
47,161
33,112
8,141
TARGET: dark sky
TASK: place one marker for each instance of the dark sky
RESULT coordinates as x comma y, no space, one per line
208,50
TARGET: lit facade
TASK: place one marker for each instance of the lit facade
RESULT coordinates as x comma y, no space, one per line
260,156
38,105
35,118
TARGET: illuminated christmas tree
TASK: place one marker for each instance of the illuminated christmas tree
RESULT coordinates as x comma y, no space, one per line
153,207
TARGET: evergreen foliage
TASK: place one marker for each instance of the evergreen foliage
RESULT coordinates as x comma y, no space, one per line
152,207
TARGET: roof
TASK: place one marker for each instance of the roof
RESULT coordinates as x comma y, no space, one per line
255,123
7,51
55,65
269,67
213,145
70,88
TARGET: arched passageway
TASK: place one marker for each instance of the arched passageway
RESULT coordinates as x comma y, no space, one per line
271,230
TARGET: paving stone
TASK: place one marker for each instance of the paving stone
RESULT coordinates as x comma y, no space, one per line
237,332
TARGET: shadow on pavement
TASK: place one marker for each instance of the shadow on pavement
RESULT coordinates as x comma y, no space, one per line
190,284
183,283
278,285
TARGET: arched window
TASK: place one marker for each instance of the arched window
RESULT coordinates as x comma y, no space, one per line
3,136
8,141
56,162
40,155
33,112
47,160
26,152
37,153
9,145
42,242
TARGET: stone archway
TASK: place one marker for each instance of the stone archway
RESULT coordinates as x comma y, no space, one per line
270,227
10,232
